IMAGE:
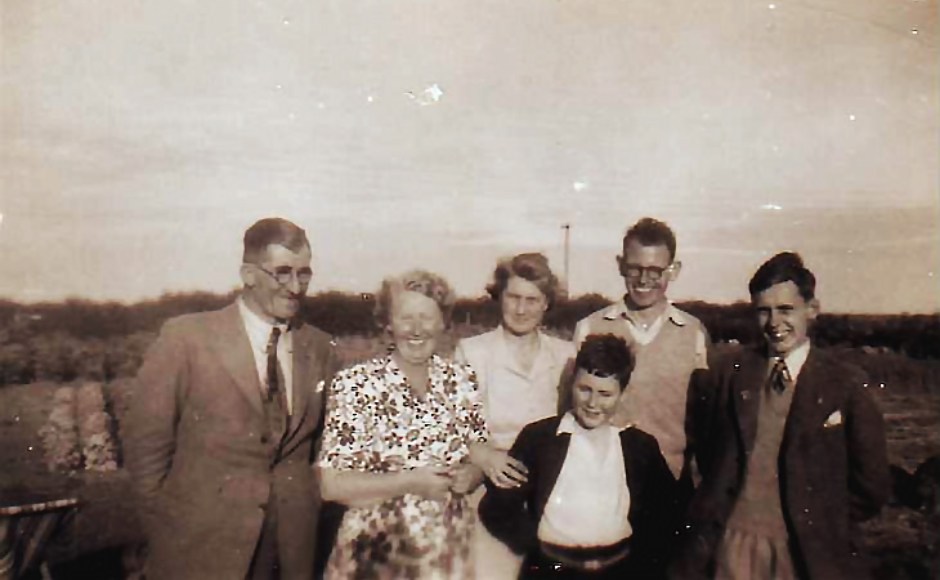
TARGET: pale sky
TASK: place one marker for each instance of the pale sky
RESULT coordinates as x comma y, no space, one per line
140,138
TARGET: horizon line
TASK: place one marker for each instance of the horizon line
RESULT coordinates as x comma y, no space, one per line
363,295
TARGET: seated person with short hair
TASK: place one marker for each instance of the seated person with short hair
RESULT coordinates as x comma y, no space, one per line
600,500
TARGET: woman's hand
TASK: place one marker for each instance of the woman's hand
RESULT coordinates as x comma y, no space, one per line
431,482
465,478
504,471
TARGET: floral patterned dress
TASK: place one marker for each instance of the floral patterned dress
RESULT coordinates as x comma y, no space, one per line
375,424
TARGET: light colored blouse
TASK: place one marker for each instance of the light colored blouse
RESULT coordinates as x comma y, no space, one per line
512,397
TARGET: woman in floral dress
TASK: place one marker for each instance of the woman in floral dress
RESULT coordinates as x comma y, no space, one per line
395,446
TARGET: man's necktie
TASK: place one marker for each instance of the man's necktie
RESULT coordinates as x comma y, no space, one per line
276,389
779,377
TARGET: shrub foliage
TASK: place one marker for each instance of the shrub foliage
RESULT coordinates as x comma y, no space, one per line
100,341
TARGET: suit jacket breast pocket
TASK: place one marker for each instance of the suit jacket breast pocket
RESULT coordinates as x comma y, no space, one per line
829,441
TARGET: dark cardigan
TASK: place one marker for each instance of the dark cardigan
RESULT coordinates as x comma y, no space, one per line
513,515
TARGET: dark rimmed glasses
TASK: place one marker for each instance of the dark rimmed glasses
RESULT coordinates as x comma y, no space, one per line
284,274
653,273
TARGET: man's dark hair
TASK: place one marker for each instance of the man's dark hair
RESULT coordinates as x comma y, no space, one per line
652,232
606,355
784,267
269,231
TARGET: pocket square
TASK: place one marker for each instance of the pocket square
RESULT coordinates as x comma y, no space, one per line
834,419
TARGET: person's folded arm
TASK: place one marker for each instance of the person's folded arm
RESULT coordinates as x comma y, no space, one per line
362,488
505,511
500,467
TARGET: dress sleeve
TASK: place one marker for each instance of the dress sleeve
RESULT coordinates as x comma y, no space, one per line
470,421
345,434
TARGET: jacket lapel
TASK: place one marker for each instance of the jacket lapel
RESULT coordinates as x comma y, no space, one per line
300,397
745,390
553,459
234,351
807,398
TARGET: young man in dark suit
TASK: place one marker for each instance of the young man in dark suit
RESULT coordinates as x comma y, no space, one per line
791,447
223,425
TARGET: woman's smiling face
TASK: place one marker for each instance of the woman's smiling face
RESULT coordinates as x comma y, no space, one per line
416,324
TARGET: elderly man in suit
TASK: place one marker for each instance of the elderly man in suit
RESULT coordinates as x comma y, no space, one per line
223,425
791,446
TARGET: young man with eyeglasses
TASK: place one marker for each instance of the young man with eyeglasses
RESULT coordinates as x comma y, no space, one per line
667,343
224,423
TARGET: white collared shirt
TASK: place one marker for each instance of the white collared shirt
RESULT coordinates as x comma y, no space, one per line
644,336
795,360
259,333
590,503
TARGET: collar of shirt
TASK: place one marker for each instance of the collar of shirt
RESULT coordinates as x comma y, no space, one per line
644,334
544,357
619,309
569,424
795,360
259,329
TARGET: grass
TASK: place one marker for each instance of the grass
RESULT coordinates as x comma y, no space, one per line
905,543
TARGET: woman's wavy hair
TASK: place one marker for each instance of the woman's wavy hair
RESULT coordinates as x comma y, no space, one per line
430,284
532,267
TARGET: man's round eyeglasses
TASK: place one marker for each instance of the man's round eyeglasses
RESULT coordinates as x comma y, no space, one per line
284,274
653,273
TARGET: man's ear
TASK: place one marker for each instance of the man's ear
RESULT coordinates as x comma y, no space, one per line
813,307
674,270
247,274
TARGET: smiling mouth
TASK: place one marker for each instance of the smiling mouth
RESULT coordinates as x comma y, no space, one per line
778,335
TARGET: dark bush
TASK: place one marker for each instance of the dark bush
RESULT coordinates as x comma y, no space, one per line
102,341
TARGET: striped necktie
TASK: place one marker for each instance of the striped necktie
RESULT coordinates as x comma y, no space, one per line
779,377
276,388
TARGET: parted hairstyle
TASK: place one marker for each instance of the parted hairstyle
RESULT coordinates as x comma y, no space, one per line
784,267
269,231
532,267
430,284
652,232
606,355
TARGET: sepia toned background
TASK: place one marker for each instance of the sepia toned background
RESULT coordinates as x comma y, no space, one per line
139,139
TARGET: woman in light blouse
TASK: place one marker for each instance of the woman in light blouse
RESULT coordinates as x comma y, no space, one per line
520,370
